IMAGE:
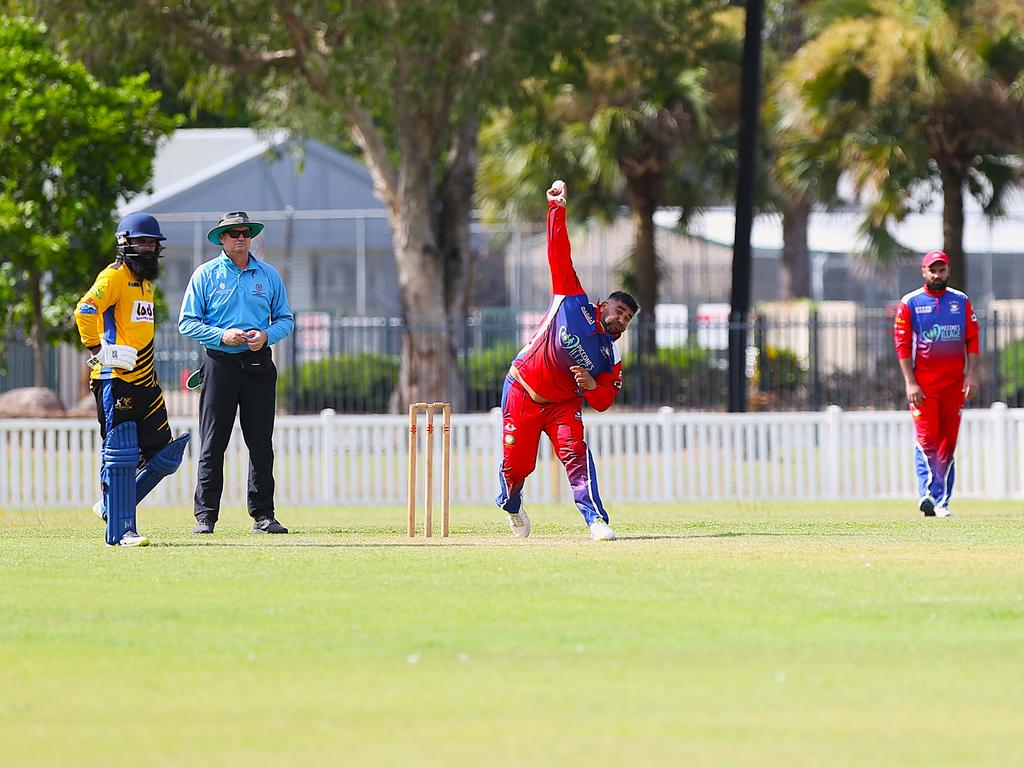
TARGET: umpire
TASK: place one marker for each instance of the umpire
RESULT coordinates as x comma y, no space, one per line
236,307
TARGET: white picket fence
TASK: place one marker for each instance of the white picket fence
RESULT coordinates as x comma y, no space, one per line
641,457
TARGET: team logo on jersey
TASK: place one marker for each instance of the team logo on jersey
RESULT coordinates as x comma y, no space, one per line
97,292
142,312
943,333
922,309
954,306
259,290
571,343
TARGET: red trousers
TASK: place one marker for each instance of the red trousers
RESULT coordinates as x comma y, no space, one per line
523,422
937,425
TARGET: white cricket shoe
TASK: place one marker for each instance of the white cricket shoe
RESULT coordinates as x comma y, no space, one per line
520,523
601,531
132,539
943,512
99,511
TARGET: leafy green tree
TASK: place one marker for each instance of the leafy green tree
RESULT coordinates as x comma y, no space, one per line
72,148
408,81
908,95
629,121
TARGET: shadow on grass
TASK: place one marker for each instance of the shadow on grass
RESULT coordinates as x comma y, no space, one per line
437,541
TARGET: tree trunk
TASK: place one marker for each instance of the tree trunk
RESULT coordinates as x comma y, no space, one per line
795,277
643,193
38,339
953,225
456,213
431,240
428,372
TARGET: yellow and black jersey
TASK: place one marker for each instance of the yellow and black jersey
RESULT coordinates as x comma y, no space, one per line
119,308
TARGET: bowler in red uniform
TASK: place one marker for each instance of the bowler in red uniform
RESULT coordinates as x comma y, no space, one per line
571,358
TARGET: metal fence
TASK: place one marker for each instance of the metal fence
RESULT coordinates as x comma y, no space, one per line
805,364
642,457
351,364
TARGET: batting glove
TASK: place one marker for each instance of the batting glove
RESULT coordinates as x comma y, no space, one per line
114,356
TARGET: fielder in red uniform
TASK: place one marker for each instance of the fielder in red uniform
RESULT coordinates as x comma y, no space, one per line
571,358
936,334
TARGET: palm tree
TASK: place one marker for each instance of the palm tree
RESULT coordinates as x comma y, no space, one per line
625,124
905,94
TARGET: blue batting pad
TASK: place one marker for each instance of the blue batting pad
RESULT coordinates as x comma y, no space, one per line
120,460
161,464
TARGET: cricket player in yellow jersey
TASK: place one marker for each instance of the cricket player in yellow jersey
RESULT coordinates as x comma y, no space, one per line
115,320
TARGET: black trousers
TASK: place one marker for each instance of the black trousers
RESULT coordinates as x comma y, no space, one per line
228,389
118,401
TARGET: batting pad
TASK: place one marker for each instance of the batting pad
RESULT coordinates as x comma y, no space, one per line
161,464
120,460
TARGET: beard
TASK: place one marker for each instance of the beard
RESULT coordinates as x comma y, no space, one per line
144,267
937,285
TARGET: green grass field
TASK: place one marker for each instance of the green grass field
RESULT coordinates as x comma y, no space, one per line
784,635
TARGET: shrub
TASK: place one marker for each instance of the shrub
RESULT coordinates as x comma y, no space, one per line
349,383
779,370
1011,374
680,377
485,371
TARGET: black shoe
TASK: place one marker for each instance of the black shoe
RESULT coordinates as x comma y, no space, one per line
268,525
202,526
927,506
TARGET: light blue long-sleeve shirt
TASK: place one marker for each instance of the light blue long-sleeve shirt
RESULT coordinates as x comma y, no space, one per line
221,296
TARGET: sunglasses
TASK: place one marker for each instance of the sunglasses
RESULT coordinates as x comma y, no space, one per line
237,233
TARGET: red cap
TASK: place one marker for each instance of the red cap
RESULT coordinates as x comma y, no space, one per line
932,256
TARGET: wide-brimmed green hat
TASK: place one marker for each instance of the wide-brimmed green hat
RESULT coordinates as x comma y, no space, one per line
233,219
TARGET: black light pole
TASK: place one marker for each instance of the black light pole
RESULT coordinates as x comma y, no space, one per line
750,103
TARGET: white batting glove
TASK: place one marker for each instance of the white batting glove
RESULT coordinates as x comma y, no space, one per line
115,356
557,193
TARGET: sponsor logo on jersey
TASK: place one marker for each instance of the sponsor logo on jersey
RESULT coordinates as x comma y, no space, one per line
943,333
142,312
97,292
510,427
123,404
571,343
87,309
586,315
617,383
923,309
134,285
510,439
